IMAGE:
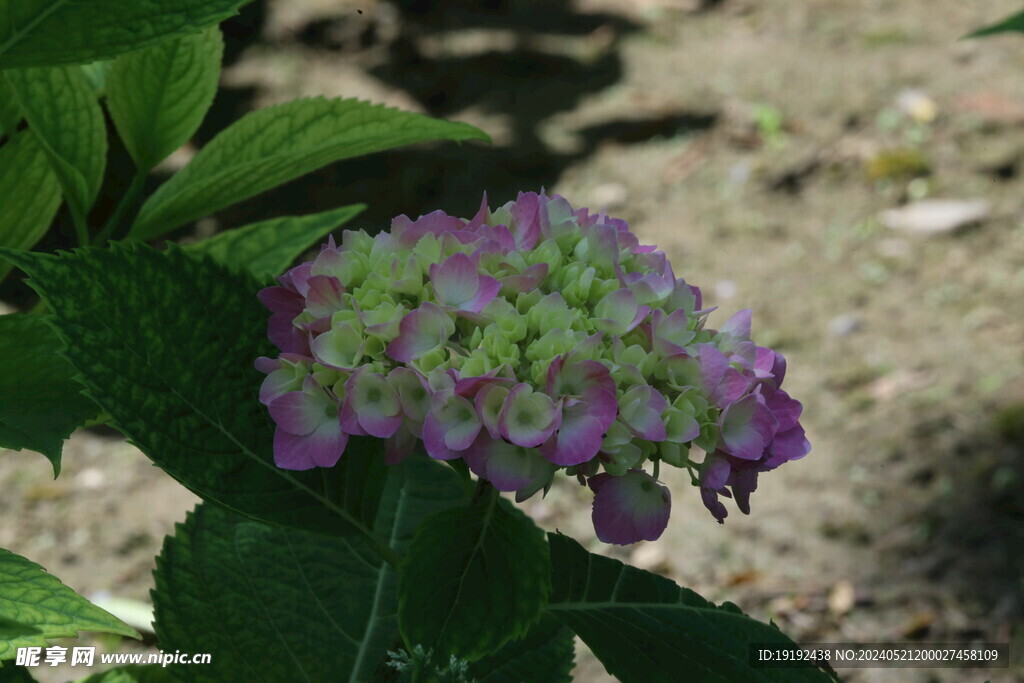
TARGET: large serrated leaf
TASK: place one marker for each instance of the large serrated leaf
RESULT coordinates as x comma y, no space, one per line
36,606
30,191
271,146
40,401
158,96
475,578
645,628
62,112
267,248
165,343
272,604
545,655
45,32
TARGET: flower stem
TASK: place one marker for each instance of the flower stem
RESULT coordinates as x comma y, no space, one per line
128,201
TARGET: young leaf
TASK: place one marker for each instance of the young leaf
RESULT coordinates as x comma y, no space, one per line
279,605
643,627
1011,23
158,96
40,402
31,194
45,32
475,578
545,655
64,115
267,248
165,343
36,606
271,146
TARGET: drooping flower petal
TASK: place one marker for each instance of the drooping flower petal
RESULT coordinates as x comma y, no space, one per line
321,448
578,438
630,508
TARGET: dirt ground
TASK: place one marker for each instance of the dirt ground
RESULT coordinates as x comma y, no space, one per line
759,145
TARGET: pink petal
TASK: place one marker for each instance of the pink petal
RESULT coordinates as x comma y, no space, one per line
456,281
629,508
322,448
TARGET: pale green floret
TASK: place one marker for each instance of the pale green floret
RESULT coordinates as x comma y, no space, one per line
341,346
527,300
675,454
435,358
325,376
427,251
624,458
347,317
549,253
553,343
357,242
478,363
499,348
512,324
548,314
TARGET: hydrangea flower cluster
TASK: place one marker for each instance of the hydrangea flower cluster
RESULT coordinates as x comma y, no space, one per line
528,339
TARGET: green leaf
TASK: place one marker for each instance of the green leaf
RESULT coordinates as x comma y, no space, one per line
30,192
10,112
271,146
267,248
34,599
165,344
475,578
1012,23
134,673
62,111
158,96
545,655
645,628
15,674
40,401
272,604
45,32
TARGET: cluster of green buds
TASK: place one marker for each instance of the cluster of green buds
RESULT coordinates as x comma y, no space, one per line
528,339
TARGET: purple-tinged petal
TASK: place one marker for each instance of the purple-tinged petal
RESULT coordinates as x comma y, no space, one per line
421,330
433,439
743,482
457,416
528,418
325,296
489,288
578,438
640,409
281,300
785,409
413,392
791,444
340,348
738,326
456,281
489,402
714,506
301,412
670,333
529,279
747,428
376,404
714,471
322,448
618,313
630,508
399,446
526,220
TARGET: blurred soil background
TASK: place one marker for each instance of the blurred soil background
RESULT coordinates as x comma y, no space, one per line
788,156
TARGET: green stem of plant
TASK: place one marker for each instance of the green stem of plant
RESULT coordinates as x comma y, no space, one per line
128,202
81,228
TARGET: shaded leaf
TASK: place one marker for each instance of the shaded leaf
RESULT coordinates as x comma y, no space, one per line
46,32
272,604
645,628
62,112
133,673
269,147
545,655
165,344
159,95
30,191
475,578
40,401
267,248
42,607
10,112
